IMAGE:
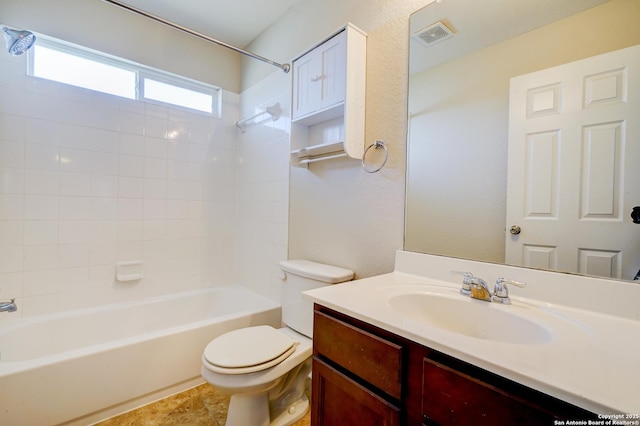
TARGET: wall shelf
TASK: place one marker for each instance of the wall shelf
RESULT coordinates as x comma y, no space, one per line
325,151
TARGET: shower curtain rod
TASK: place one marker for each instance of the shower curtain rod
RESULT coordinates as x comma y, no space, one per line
284,67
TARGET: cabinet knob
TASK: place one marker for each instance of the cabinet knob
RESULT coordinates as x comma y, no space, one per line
317,77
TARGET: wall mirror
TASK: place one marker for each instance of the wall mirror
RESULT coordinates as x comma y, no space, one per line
463,55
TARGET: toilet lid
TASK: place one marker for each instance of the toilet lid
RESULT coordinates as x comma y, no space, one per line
249,349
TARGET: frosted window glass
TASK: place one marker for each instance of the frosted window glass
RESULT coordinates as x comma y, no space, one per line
82,72
175,95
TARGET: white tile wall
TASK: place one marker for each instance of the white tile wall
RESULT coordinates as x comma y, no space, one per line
88,179
263,181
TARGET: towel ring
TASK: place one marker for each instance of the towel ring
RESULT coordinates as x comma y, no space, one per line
377,145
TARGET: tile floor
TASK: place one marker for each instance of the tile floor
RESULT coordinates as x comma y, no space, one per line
199,406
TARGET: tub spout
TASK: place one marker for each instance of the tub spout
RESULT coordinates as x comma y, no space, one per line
8,306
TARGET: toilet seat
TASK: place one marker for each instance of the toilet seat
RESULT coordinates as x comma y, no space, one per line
248,350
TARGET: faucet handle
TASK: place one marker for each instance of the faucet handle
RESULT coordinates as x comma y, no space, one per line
471,284
466,283
501,292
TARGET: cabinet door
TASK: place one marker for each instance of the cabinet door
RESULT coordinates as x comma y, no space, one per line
338,400
333,58
319,77
306,91
451,397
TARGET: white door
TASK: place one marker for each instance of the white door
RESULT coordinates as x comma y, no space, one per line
574,167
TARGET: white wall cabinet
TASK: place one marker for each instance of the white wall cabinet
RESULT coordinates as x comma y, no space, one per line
319,77
328,99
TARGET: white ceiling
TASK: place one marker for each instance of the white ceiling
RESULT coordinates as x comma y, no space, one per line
478,24
236,22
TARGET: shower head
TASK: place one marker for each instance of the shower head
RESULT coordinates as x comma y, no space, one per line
18,41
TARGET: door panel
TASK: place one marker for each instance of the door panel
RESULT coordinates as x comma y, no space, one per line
573,174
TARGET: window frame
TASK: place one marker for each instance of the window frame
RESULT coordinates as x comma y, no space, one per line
141,72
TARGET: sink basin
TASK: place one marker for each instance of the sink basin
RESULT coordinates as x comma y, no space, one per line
473,318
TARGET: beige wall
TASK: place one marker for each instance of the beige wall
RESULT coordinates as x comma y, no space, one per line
338,213
101,26
341,215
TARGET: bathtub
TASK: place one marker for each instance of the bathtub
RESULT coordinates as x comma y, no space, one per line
82,366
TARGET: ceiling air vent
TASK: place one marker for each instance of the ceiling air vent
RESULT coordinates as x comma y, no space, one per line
433,34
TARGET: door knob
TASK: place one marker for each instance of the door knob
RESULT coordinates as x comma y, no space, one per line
515,230
635,214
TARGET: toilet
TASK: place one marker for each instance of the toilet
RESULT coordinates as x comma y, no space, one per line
264,369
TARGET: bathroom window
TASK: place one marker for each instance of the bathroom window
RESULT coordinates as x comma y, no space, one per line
70,64
176,93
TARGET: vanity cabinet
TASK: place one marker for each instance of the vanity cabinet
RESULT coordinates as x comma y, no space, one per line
357,375
328,99
363,375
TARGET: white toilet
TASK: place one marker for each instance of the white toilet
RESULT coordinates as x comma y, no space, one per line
264,369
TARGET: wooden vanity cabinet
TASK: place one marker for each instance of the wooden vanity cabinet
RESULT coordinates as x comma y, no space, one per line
357,375
363,375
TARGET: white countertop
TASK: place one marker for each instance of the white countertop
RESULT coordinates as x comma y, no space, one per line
592,359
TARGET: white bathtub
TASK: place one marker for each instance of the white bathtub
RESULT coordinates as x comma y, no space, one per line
79,367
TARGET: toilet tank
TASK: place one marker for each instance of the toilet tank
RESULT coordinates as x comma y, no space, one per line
302,275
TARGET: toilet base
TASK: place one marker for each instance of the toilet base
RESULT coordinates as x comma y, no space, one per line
295,412
248,410
254,410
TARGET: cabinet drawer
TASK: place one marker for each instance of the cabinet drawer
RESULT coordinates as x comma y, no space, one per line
451,397
370,357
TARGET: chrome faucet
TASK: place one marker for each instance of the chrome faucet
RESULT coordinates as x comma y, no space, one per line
8,306
475,287
500,291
